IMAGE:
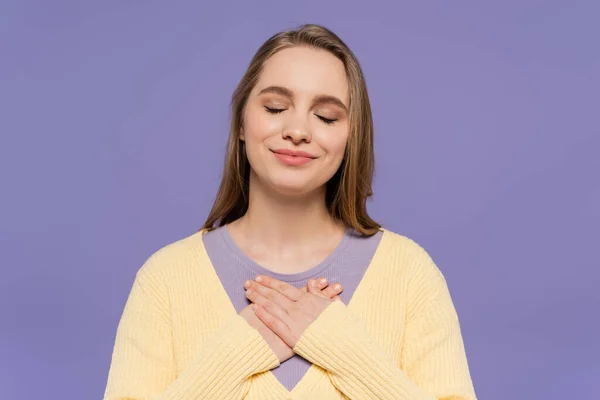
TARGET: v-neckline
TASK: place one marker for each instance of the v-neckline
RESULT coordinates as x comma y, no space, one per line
311,370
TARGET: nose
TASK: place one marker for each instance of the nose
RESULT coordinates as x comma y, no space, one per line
297,129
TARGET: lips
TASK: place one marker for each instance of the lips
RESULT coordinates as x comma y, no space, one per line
294,153
293,157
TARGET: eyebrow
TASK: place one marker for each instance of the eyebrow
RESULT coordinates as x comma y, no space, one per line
319,99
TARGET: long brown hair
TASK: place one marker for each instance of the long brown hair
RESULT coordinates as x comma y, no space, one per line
347,191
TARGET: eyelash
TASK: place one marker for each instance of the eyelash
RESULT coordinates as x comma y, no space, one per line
327,121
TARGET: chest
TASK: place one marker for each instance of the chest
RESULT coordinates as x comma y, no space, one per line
206,305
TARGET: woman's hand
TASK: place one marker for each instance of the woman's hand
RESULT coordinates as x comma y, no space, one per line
285,309
279,347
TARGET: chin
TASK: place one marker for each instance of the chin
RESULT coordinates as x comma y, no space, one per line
292,186
290,189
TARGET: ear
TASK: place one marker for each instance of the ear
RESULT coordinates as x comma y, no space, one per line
242,137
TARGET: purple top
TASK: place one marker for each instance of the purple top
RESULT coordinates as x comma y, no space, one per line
346,265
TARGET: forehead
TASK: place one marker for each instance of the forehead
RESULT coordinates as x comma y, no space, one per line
307,72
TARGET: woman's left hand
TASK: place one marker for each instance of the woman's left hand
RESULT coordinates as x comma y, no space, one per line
285,309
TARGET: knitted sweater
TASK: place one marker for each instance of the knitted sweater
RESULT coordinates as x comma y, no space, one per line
399,337
346,265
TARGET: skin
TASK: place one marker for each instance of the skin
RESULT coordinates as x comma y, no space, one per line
285,309
256,319
299,103
301,119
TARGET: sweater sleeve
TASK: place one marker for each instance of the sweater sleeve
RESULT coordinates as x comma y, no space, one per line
143,366
435,365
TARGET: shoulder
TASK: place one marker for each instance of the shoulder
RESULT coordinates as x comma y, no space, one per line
410,257
425,282
171,258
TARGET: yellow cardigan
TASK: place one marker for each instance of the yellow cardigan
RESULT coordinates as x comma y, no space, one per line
399,337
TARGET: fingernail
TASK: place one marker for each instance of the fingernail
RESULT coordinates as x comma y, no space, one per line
323,280
249,291
338,286
254,307
313,283
247,284
259,279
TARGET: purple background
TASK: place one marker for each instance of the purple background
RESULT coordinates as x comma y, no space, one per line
114,120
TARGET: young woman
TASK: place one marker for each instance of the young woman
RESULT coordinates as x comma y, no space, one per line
239,309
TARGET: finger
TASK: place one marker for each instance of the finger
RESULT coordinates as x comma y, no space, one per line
269,294
289,291
337,298
274,309
332,290
322,283
314,289
278,327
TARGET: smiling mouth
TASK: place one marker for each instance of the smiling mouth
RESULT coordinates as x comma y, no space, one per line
294,153
293,158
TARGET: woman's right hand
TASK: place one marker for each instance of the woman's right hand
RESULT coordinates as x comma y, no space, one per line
279,347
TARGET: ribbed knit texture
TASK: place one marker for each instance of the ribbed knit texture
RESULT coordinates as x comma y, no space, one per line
346,265
398,337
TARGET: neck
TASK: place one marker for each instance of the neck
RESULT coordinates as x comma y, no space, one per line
278,221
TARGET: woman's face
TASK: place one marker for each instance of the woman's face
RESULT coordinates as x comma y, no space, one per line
295,125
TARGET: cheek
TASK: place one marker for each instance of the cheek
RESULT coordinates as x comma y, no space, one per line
258,131
258,126
335,145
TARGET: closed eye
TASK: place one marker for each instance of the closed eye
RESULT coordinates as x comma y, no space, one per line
274,110
270,110
328,121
